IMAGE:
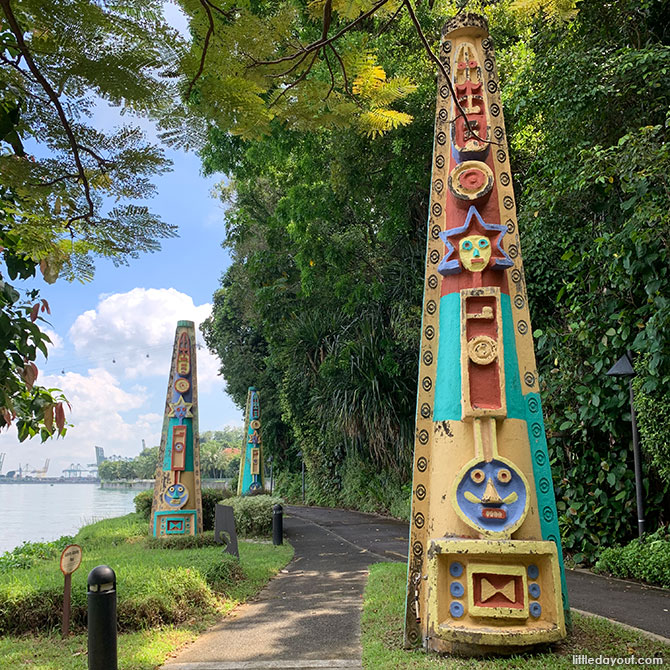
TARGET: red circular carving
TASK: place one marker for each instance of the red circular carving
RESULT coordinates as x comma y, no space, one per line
472,179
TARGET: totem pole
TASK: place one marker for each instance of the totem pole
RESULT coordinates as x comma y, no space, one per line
252,477
177,502
485,571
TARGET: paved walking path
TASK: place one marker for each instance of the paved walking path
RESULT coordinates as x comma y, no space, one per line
308,617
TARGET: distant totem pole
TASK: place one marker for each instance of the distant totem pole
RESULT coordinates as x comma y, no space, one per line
485,563
252,477
177,502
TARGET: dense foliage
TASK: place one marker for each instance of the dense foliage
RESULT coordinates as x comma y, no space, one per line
71,192
647,559
321,307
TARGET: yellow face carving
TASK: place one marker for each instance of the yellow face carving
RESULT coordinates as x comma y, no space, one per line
474,252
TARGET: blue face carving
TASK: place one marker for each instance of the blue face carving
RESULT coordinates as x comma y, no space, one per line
176,496
492,495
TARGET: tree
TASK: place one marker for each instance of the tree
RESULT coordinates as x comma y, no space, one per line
69,190
320,306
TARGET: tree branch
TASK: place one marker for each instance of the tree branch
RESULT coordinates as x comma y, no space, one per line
296,82
438,62
46,86
332,76
210,31
315,46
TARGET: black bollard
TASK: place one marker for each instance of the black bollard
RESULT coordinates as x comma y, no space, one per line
102,619
277,524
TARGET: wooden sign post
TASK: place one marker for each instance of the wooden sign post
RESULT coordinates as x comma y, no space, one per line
70,560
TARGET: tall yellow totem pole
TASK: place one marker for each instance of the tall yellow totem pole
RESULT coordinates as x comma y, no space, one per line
485,571
177,501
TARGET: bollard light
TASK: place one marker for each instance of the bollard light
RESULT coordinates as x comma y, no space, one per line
277,524
102,653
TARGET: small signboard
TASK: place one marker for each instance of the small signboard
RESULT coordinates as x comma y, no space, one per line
70,559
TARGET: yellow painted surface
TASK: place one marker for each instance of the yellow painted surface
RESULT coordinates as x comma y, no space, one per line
500,628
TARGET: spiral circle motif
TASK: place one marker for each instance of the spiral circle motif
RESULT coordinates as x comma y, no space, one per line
446,46
423,436
540,458
548,514
529,378
536,429
428,358
427,383
439,161
420,491
441,138
533,405
419,520
519,302
522,327
495,109
438,185
492,86
434,256
499,133
431,306
422,464
417,549
516,275
501,156
443,115
488,65
508,202
504,178
429,332
544,485
436,209
513,251
432,281
510,226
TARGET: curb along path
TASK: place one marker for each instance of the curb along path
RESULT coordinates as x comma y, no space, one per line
308,617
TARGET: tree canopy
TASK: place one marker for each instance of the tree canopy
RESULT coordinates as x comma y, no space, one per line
321,307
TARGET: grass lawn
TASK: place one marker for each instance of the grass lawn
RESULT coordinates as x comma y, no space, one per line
165,597
382,633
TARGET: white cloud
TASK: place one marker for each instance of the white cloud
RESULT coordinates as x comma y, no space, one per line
98,407
133,333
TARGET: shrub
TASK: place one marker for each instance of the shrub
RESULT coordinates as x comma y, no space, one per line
210,497
205,539
26,555
253,514
647,559
224,574
143,502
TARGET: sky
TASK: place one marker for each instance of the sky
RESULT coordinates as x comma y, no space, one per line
113,337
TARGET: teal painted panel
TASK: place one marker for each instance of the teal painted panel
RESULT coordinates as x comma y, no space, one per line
246,475
516,407
544,487
167,460
447,404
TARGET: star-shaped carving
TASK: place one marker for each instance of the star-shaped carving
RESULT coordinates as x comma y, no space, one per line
474,223
181,409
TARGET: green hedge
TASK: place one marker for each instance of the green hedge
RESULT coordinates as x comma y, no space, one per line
253,514
647,560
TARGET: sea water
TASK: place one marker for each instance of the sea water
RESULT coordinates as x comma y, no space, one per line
45,512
